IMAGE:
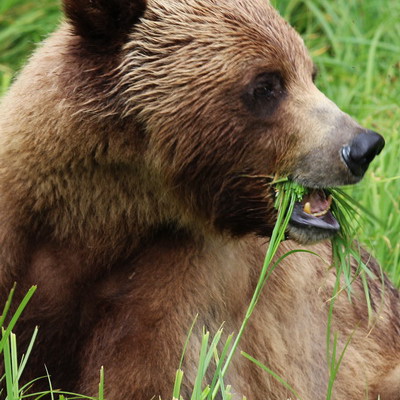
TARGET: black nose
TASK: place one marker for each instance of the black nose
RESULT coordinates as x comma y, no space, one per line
362,151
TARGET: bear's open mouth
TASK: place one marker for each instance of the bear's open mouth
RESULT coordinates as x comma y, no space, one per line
314,212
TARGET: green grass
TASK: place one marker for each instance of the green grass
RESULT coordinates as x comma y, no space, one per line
22,24
14,364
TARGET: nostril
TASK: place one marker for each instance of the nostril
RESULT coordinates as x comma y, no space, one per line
362,151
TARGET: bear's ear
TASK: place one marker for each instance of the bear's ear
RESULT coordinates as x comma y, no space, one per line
103,22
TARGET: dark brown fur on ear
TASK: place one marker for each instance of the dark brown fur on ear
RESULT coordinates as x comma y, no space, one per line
103,22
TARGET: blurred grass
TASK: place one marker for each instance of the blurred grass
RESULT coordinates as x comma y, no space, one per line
22,24
357,49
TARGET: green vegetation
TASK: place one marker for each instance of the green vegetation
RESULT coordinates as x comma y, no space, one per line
14,364
22,24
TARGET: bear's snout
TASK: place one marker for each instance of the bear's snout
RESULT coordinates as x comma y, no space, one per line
332,148
361,151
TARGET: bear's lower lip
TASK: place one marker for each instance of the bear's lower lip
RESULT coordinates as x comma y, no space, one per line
301,219
313,212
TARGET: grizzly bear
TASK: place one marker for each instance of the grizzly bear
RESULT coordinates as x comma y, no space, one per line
137,151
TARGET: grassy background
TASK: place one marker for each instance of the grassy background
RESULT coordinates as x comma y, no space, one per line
356,46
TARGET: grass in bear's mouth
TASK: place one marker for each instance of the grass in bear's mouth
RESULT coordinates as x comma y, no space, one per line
328,206
328,209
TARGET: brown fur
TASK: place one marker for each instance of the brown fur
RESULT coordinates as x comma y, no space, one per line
134,169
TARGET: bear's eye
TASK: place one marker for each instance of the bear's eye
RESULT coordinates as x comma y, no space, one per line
263,94
268,86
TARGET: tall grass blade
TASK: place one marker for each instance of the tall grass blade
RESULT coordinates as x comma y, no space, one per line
7,307
188,336
101,384
273,374
25,357
15,317
176,394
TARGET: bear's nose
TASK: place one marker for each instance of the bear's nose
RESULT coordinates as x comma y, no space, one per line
362,150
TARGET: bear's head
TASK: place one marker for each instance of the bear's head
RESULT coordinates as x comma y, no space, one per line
190,107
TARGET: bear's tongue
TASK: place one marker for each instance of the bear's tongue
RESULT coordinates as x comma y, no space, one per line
316,203
314,212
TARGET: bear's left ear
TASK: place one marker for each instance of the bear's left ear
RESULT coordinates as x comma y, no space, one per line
103,22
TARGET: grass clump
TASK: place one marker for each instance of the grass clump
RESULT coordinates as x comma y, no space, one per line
349,213
14,365
22,24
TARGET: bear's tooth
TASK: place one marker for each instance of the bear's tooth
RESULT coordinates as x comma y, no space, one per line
307,207
320,214
329,202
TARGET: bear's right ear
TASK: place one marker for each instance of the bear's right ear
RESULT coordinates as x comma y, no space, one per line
103,23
